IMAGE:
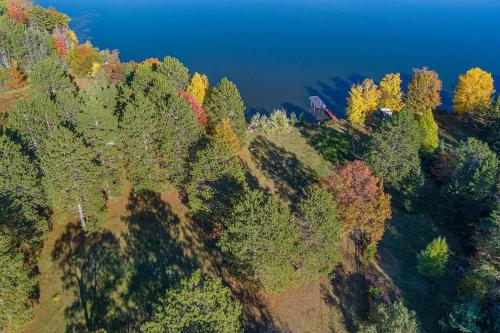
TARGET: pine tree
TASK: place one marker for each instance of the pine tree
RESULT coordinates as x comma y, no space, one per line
23,200
141,138
262,236
50,77
224,131
321,235
390,92
392,153
432,261
216,180
200,304
99,128
198,87
429,129
180,132
224,101
32,119
72,179
175,73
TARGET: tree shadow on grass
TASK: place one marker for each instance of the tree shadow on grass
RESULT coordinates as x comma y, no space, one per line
92,266
155,257
334,144
348,295
288,173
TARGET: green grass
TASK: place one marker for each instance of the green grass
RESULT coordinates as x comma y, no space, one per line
405,236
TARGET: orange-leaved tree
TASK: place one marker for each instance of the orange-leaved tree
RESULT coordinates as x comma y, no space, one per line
17,78
17,11
362,203
423,91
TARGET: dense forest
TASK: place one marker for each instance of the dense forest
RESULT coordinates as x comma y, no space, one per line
156,206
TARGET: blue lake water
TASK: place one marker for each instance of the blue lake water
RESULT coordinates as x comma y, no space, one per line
279,52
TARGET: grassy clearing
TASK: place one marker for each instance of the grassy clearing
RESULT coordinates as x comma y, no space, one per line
8,99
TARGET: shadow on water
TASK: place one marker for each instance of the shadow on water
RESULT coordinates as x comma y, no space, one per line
288,173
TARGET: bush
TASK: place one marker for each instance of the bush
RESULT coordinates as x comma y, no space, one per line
277,122
392,318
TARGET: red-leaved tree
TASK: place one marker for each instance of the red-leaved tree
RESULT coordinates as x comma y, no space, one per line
362,203
196,107
60,40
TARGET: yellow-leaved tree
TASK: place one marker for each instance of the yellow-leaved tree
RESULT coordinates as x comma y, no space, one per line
363,99
224,131
473,93
198,87
391,96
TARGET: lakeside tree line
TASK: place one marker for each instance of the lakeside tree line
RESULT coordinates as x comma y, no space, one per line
90,124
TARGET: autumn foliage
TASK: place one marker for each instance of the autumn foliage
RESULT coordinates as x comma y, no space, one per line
82,59
154,61
198,87
60,41
423,91
17,11
224,131
473,92
17,78
390,92
360,198
362,100
196,107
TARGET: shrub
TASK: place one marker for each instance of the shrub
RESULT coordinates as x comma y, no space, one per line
392,318
277,122
432,261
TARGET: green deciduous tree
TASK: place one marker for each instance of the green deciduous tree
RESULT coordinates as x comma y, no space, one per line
262,236
429,130
216,180
431,262
393,318
199,304
72,179
423,91
393,154
476,176
224,102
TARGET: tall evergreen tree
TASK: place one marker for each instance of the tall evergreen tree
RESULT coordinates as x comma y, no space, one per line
216,180
72,178
141,138
32,119
99,127
180,132
224,102
321,233
22,199
429,130
393,153
175,72
262,236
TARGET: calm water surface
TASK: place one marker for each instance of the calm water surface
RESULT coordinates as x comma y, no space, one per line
281,51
